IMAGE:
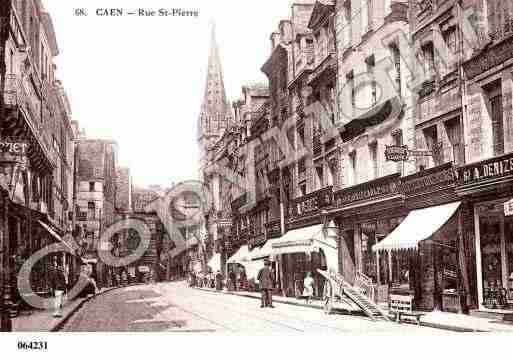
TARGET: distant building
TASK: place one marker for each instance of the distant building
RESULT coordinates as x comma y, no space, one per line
124,190
96,181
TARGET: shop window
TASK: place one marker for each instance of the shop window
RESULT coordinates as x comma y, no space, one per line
400,269
368,239
490,234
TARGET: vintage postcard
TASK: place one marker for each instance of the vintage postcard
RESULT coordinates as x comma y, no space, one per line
318,166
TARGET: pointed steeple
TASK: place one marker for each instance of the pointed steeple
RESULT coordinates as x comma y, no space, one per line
215,107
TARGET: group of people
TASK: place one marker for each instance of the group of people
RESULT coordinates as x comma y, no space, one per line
205,280
237,279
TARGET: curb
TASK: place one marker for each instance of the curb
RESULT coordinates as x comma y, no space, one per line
315,306
423,324
58,326
453,328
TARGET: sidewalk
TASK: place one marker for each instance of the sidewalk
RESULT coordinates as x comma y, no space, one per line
342,307
436,319
464,323
43,320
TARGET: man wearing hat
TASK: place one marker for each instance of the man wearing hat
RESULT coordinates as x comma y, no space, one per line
266,279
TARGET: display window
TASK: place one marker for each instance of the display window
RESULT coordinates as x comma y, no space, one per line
496,251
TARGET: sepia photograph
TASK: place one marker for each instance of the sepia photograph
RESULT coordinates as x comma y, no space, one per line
339,167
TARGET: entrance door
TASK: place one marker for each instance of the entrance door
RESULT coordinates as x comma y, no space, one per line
347,255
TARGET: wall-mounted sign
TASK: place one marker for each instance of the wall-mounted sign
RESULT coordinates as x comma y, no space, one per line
13,147
13,151
486,170
396,153
434,177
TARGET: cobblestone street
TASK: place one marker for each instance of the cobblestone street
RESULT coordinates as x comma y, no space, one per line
175,307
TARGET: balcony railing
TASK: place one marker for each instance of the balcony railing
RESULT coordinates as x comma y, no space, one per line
273,229
311,203
503,28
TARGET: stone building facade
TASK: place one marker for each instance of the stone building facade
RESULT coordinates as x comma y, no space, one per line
35,117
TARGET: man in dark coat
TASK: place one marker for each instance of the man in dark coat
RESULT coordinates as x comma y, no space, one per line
266,279
58,285
219,281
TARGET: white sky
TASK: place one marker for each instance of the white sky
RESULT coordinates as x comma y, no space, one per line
140,81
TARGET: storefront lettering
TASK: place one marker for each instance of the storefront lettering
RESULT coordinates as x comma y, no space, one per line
484,171
304,242
417,184
14,148
366,193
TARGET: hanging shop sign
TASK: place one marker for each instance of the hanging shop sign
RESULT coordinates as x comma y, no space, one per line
396,153
402,153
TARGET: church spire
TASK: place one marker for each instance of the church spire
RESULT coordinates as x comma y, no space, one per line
215,107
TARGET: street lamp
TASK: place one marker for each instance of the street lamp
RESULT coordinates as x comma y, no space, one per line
12,163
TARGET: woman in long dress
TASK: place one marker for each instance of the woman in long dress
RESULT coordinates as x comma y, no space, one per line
308,285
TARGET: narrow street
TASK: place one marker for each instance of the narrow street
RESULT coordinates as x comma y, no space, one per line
177,308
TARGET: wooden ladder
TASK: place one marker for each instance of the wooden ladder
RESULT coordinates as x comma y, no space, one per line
369,307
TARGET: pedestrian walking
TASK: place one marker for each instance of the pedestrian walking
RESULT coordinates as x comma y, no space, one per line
266,279
219,281
58,285
308,287
243,280
232,278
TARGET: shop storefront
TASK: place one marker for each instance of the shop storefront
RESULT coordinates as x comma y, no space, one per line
366,214
301,251
422,253
488,188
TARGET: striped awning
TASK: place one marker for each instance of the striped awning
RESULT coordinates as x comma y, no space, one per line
419,225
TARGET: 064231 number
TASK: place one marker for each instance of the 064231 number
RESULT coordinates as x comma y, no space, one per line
32,345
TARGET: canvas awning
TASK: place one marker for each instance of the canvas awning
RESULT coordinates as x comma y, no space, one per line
297,240
215,262
56,236
241,256
420,224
